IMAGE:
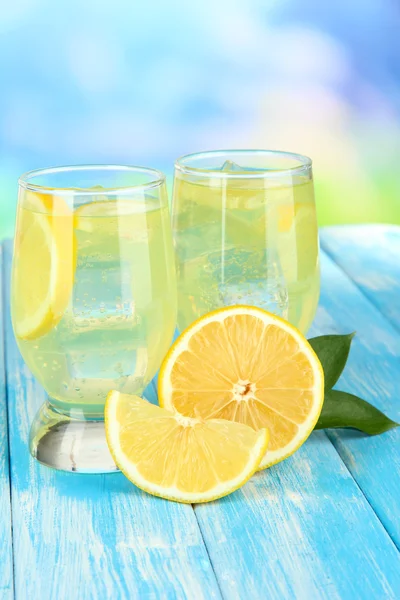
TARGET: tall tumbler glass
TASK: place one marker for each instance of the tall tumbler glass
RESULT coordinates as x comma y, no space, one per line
93,299
245,232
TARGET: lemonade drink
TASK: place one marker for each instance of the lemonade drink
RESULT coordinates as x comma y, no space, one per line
246,241
119,314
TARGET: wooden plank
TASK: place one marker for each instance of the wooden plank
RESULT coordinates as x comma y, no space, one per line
300,530
93,536
372,372
369,254
303,529
6,561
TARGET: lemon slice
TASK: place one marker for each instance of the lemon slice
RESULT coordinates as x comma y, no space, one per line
44,264
179,458
244,364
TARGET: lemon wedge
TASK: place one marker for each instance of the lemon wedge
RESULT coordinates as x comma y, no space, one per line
246,365
180,458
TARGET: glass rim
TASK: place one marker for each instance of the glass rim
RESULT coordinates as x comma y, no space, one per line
24,181
304,162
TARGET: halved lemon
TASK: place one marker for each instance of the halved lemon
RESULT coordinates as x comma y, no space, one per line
176,457
44,264
246,365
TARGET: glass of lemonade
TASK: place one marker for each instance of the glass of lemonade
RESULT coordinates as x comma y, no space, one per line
245,232
93,299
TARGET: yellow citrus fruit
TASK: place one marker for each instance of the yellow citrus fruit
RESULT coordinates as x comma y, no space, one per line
244,364
180,458
44,264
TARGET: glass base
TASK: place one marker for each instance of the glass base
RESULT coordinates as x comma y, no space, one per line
70,444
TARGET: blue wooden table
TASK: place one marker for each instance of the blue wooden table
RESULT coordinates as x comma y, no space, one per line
323,524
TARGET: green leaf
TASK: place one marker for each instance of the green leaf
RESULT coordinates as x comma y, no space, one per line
332,351
341,409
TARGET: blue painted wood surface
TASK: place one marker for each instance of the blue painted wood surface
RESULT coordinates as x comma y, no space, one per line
370,255
80,537
373,372
303,529
6,561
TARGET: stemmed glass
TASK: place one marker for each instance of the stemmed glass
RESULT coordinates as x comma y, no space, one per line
245,232
93,299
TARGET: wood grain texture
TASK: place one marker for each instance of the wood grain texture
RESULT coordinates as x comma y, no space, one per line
303,529
79,537
370,255
372,372
6,555
300,530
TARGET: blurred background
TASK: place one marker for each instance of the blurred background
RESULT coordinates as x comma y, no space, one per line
101,81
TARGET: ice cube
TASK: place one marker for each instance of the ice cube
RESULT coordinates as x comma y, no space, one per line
250,277
230,166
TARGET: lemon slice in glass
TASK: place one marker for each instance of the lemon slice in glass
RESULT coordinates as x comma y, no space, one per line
44,264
